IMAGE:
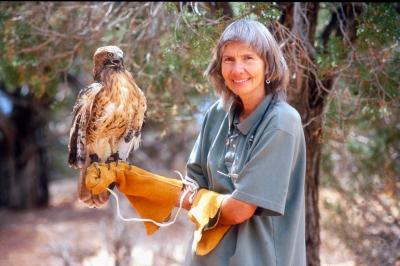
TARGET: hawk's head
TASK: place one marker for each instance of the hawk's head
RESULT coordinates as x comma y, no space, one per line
110,57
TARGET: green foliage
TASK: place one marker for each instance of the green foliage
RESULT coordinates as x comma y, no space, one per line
184,53
20,62
7,71
368,87
360,156
379,25
261,11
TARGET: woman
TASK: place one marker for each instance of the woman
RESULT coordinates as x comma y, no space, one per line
248,162
251,147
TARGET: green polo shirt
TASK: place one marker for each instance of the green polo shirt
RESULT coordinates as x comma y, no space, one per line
260,160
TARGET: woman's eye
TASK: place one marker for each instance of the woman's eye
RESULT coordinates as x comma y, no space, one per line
227,59
249,57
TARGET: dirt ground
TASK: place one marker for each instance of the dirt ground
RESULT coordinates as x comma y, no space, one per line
68,233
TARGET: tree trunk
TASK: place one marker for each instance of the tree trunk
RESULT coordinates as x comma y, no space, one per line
23,164
313,129
308,98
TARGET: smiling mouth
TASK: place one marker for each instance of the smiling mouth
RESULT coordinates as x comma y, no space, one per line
240,81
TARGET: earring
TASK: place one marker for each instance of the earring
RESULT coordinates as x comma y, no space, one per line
268,81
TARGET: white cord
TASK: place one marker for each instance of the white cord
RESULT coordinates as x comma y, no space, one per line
193,187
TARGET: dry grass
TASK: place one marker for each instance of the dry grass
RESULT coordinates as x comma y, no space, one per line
68,233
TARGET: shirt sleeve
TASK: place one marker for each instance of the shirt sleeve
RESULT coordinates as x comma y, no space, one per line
264,179
195,168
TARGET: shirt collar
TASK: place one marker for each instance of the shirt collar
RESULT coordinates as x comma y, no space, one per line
245,126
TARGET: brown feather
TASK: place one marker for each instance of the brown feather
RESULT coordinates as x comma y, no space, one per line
80,112
119,108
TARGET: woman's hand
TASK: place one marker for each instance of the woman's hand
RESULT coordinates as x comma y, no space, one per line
233,211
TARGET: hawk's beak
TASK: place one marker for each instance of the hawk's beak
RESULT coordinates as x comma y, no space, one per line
117,60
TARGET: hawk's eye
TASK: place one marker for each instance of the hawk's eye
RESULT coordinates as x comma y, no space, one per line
110,55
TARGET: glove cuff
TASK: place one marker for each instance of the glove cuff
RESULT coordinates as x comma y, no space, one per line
205,213
206,209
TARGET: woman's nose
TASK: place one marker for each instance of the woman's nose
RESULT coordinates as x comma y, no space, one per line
238,67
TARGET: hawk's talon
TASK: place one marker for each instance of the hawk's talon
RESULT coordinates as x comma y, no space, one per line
113,158
98,169
116,157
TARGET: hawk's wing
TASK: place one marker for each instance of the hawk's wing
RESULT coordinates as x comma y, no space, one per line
81,117
132,135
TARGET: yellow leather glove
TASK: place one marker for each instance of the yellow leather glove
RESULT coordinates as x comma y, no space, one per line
205,212
152,196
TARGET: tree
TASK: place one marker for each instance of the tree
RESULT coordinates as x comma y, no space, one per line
169,45
362,142
42,46
329,52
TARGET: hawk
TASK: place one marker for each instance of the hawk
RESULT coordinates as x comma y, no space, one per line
107,118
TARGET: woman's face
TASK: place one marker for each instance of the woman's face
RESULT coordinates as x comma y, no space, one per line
243,70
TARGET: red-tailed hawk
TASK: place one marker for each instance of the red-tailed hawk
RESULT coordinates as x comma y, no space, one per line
107,118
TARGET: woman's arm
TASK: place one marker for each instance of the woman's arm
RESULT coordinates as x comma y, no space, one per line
186,203
234,211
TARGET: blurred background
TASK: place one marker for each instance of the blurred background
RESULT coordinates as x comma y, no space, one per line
344,63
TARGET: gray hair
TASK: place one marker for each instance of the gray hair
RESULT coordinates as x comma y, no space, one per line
264,44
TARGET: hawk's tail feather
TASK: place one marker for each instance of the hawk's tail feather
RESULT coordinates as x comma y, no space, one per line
74,161
72,156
